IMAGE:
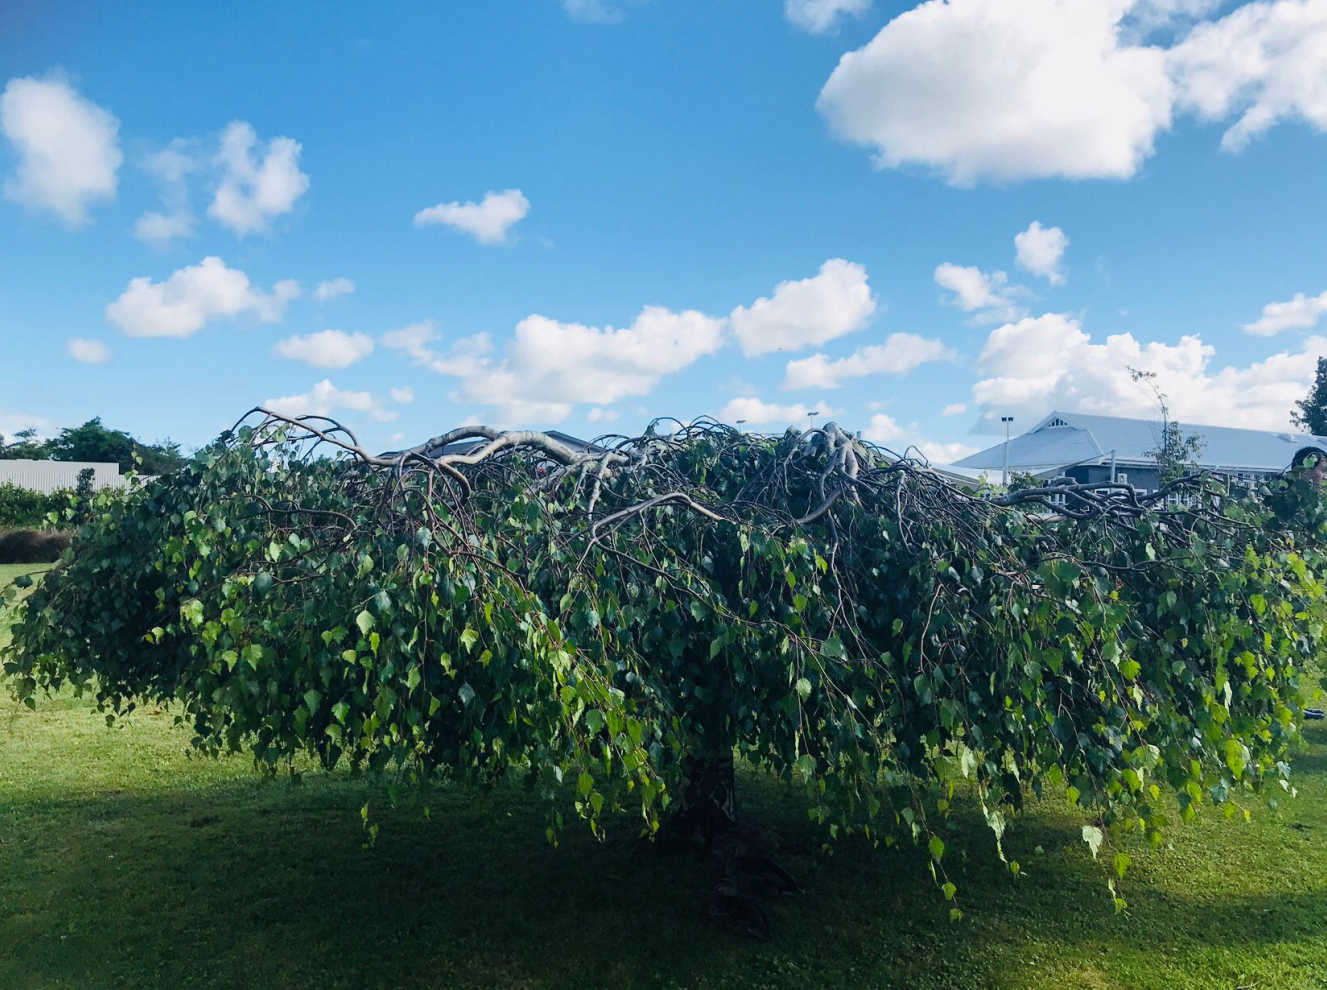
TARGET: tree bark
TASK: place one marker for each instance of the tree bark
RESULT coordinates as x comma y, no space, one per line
706,816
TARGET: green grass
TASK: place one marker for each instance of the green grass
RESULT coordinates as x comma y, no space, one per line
125,863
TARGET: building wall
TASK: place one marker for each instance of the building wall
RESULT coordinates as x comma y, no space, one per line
51,476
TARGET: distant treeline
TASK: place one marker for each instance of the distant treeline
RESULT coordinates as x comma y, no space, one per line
94,442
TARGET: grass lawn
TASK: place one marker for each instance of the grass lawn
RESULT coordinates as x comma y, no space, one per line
124,863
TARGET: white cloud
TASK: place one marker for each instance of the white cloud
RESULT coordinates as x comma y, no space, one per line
326,348
257,184
974,290
68,149
1003,89
185,302
893,435
754,412
549,367
403,396
171,167
159,229
1019,89
945,453
899,354
1300,312
88,350
599,414
1264,61
955,409
333,289
1040,250
883,428
486,221
324,399
1038,364
808,312
596,11
15,422
821,16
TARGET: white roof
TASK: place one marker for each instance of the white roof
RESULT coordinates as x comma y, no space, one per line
1063,439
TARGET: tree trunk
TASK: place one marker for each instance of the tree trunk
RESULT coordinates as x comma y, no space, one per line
706,816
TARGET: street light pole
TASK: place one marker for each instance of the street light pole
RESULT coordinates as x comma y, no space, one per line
1006,420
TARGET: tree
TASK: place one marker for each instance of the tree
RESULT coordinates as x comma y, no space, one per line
94,443
1176,453
1310,412
24,447
615,626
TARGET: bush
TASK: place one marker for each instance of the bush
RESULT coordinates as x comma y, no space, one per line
23,507
30,546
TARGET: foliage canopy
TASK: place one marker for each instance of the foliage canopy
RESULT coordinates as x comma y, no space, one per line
609,624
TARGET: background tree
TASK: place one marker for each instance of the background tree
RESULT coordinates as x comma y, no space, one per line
24,447
1176,453
95,443
1310,412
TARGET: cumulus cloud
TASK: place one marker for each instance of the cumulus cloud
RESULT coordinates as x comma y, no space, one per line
899,354
1300,312
1047,362
834,302
88,350
893,435
988,294
549,367
324,399
1265,62
171,167
753,412
955,409
600,414
258,183
945,453
821,16
1018,89
1003,89
182,304
1040,250
326,348
403,396
487,221
67,148
333,289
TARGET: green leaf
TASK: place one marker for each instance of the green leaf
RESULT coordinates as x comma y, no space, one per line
469,638
1093,837
937,847
803,688
466,693
365,621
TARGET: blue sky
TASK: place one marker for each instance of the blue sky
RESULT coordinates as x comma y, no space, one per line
660,167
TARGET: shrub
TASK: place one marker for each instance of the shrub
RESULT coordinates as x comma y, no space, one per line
30,546
23,507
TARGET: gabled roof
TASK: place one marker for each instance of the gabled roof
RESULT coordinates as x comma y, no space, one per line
1063,439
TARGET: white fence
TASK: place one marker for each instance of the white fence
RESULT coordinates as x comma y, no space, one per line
51,476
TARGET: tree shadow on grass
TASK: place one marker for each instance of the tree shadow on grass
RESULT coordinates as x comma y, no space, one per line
251,884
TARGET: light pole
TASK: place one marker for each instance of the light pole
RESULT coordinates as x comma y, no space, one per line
812,417
1006,420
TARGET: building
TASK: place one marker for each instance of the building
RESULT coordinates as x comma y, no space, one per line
1088,449
52,476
